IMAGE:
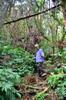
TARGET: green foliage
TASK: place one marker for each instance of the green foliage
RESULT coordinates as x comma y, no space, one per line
58,82
54,80
41,95
40,2
8,79
61,90
60,56
20,60
64,55
58,70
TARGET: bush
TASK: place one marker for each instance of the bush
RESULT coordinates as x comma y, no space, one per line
58,83
20,60
8,81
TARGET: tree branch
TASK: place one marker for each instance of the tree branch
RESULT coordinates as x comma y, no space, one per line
33,15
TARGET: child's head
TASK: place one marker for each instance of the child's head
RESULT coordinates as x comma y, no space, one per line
37,46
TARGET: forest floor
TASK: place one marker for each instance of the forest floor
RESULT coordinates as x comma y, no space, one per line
34,87
33,84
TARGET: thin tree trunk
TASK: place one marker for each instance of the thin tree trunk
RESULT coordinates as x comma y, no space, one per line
4,5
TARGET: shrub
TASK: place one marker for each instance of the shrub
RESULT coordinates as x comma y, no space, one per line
58,83
8,81
20,60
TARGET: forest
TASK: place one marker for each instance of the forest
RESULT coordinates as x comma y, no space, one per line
28,27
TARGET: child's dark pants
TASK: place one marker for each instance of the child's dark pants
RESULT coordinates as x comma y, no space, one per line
40,68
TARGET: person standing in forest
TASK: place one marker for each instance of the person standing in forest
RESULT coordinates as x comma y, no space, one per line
39,58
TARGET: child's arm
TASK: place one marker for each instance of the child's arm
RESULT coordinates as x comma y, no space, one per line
42,53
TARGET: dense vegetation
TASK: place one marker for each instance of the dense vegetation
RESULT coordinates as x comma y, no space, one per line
23,23
16,58
14,64
8,81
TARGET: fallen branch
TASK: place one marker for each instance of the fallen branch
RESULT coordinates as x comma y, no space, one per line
34,87
45,90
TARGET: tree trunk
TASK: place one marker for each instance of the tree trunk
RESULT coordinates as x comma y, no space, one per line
64,11
4,5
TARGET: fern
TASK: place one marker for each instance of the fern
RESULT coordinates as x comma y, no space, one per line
58,83
8,79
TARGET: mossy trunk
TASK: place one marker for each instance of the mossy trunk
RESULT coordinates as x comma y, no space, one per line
64,11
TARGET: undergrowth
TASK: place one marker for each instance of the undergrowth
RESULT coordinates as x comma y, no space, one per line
17,58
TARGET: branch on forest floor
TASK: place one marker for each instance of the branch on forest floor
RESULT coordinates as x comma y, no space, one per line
35,87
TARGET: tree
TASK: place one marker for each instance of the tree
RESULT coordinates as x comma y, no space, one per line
5,5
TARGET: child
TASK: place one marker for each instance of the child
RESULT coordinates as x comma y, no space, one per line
39,59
